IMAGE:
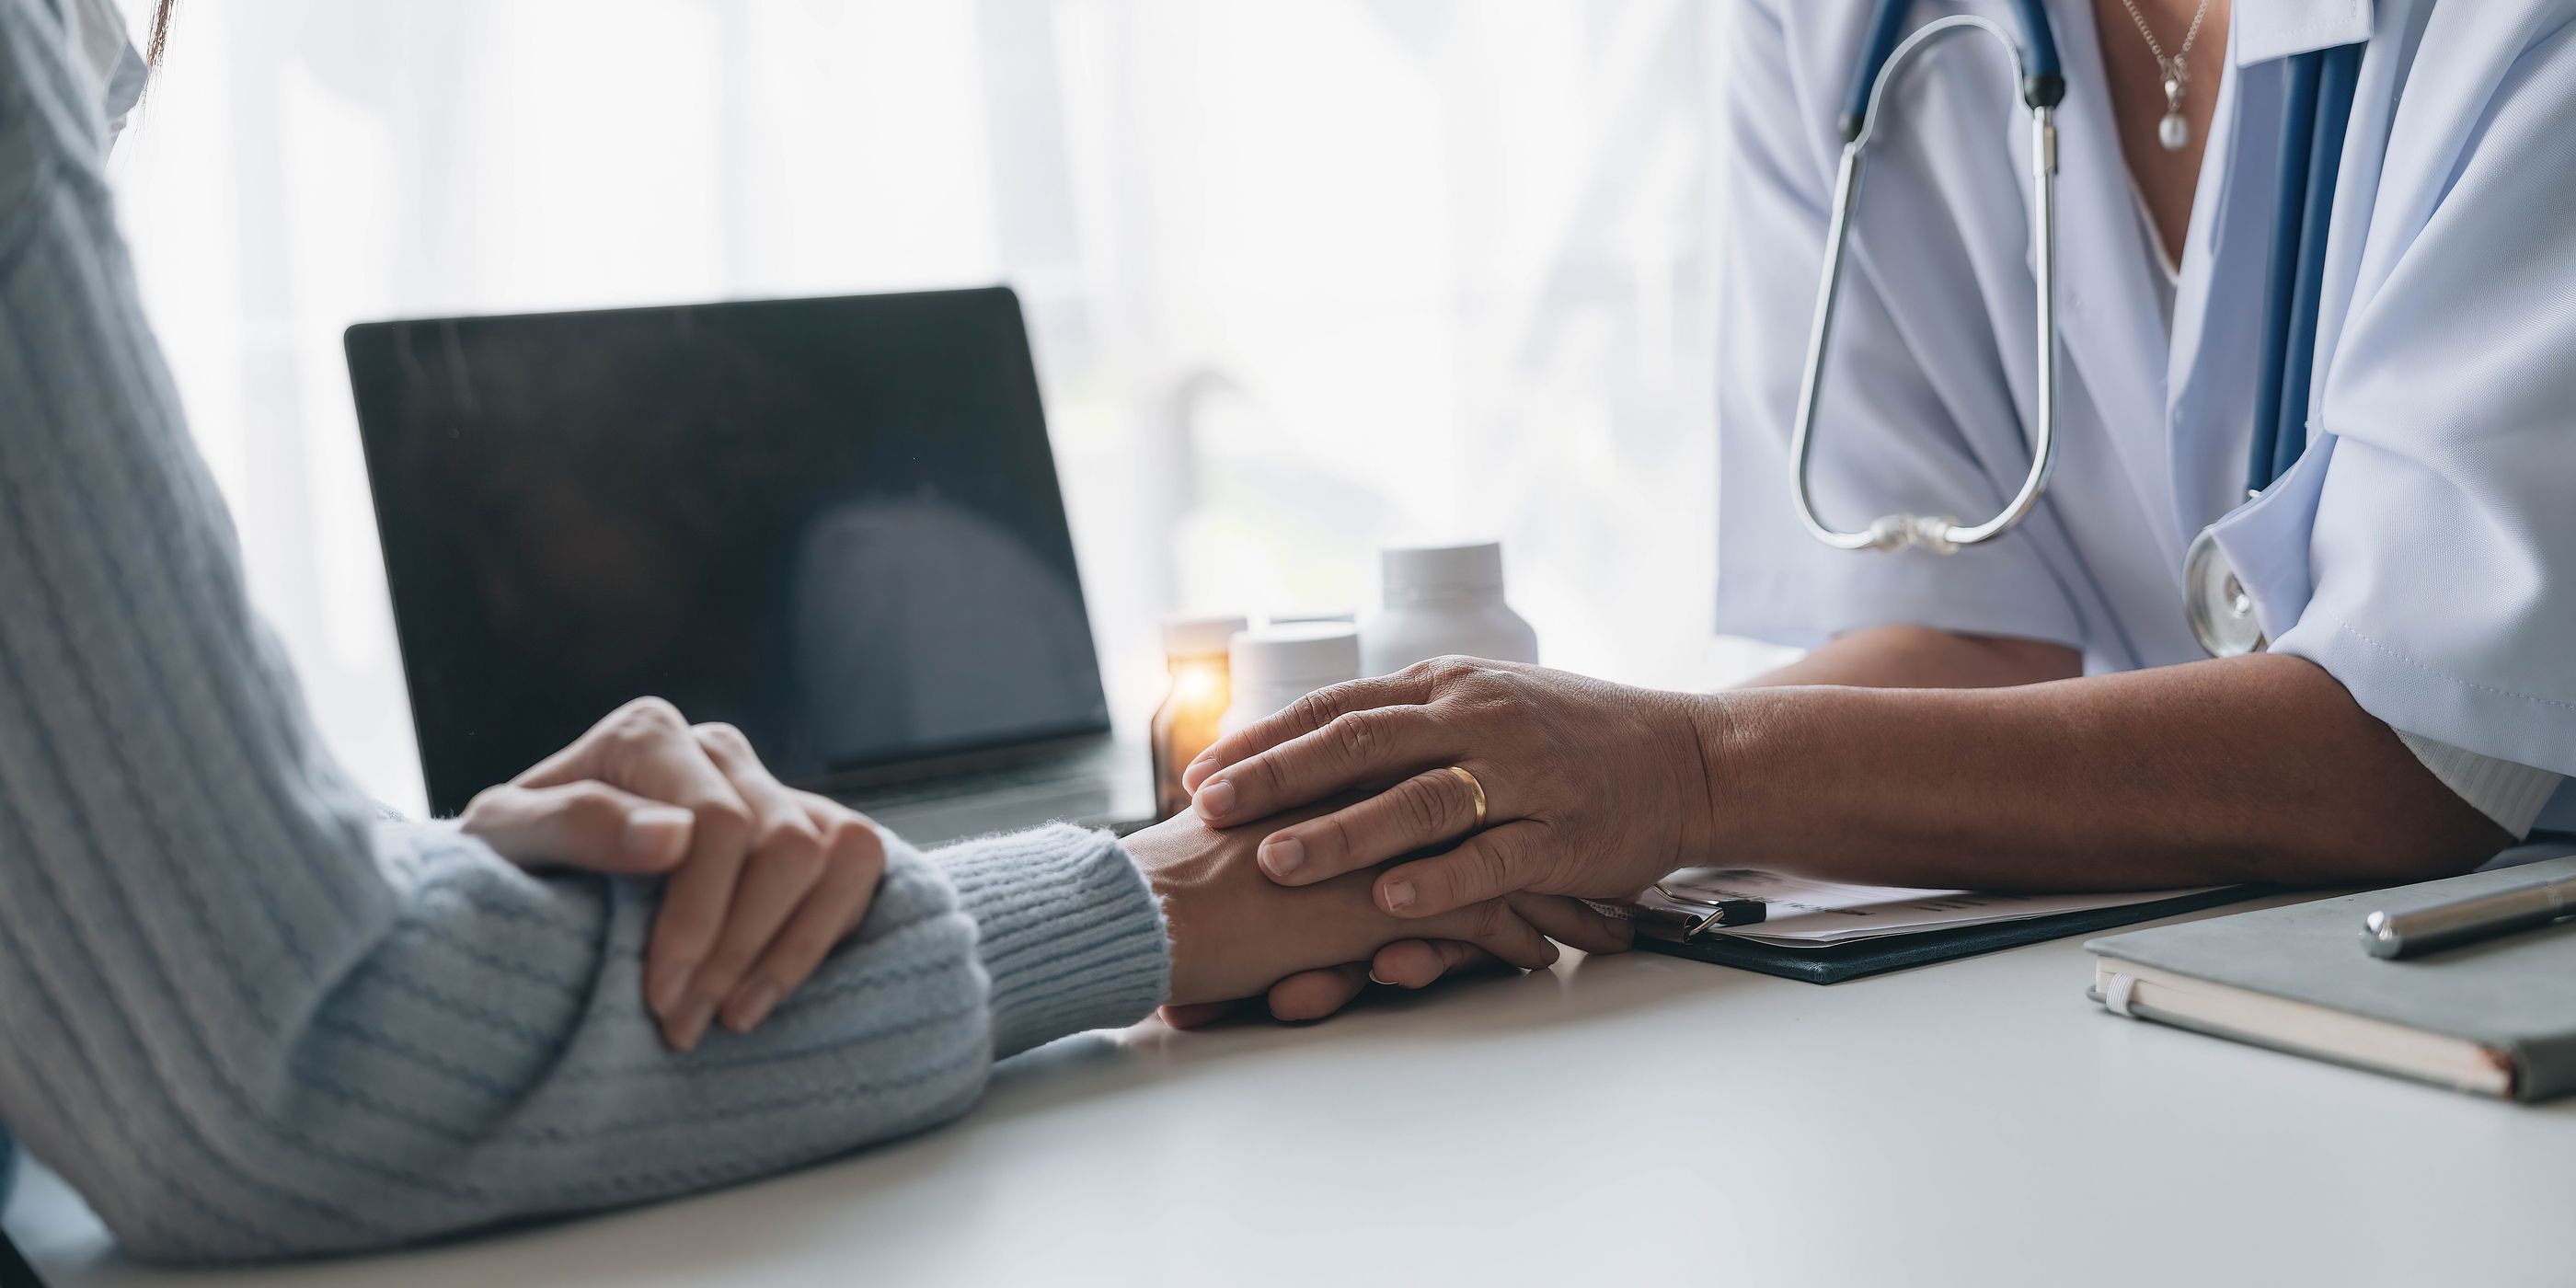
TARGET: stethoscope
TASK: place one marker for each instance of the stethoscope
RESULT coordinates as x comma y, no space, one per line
2321,86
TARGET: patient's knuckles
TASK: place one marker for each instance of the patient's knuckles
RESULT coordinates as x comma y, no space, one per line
627,751
643,721
721,820
790,852
652,710
850,840
594,809
726,742
633,746
489,808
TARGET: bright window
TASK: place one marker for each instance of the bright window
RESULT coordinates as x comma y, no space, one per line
1306,276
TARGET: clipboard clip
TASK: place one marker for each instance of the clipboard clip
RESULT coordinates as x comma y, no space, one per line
1712,913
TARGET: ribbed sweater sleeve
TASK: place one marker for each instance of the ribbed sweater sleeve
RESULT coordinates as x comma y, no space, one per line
245,1017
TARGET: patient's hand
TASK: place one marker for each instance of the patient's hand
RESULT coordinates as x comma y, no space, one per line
1234,935
764,880
1420,963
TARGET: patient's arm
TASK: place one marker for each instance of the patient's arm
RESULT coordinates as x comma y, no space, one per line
245,1018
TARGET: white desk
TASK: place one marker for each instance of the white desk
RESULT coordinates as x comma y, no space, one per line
1635,1118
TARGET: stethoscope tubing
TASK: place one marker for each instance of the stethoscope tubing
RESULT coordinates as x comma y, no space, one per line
2043,81
2041,95
2321,89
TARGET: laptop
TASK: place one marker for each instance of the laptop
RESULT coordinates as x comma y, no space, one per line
834,523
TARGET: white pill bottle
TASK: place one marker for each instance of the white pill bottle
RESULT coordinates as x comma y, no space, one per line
1276,665
1441,600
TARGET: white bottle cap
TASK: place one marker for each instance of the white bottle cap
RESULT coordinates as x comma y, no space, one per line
1200,636
1312,654
1312,615
1477,566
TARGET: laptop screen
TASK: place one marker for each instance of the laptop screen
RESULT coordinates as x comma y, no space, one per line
833,522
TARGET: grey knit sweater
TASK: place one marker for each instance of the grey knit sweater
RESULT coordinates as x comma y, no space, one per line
247,1019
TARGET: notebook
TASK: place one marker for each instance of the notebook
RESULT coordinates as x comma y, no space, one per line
2496,1018
1824,932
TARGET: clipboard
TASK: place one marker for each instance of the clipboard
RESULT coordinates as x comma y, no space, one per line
1669,931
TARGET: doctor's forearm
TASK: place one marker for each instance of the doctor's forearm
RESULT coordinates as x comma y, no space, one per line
2257,768
1923,657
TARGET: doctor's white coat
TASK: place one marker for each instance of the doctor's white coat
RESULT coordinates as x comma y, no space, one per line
2423,550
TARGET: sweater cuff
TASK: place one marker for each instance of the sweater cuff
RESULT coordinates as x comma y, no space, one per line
1068,931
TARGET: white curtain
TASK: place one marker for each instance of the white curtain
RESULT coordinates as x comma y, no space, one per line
1306,276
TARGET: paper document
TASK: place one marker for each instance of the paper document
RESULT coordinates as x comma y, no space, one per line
1813,914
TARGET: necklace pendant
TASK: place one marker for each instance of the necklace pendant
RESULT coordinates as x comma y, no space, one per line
2174,132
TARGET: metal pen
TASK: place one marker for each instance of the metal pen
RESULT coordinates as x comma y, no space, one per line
2466,921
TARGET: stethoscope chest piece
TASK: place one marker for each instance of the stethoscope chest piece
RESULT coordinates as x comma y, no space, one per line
2215,602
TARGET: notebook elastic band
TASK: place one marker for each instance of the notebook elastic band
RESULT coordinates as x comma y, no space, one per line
2115,995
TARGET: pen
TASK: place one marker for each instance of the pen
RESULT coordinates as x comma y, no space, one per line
1708,914
2466,921
1681,916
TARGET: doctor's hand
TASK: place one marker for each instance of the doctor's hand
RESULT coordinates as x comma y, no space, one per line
1236,935
1590,788
763,879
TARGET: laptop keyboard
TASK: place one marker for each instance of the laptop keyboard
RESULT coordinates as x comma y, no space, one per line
982,782
1100,785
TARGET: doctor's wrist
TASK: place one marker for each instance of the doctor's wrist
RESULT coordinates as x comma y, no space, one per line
1717,741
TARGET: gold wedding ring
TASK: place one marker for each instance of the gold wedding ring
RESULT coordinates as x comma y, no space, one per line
1473,786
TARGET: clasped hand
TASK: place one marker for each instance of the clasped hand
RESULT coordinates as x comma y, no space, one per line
763,880
1591,788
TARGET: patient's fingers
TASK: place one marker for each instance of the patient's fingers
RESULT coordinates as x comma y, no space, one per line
646,747
587,825
1572,922
854,861
1495,933
1314,994
782,865
1421,963
1494,927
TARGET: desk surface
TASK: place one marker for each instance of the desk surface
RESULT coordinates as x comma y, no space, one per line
1975,1122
